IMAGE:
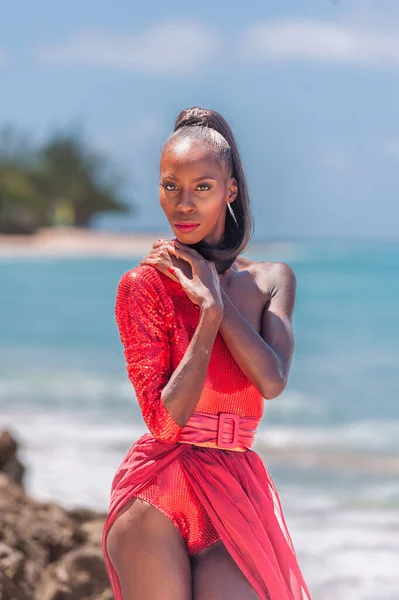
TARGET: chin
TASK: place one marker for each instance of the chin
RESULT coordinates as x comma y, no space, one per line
188,238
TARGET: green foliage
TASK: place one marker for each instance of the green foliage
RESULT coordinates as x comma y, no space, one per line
60,182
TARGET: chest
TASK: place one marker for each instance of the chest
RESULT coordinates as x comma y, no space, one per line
248,299
226,388
243,293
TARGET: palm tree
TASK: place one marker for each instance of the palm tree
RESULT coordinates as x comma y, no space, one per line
67,172
20,203
61,176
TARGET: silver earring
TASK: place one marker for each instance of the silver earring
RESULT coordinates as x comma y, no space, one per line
232,213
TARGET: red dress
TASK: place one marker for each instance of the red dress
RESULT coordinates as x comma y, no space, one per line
209,493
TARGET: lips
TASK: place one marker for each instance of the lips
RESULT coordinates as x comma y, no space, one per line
189,226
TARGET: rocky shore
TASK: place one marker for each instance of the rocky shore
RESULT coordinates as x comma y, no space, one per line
46,551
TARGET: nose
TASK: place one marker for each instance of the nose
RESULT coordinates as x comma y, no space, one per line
185,202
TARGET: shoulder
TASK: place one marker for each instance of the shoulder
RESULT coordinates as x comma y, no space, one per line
145,282
141,277
271,277
279,274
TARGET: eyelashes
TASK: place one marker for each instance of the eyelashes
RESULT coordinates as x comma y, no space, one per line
203,185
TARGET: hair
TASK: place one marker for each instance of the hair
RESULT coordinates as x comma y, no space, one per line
208,126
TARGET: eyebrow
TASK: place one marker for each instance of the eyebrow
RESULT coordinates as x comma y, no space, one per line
194,180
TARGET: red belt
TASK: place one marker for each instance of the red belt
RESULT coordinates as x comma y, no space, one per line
226,431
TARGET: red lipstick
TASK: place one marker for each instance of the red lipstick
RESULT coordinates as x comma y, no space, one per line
187,225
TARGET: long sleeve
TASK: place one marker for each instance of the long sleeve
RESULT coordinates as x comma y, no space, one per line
143,320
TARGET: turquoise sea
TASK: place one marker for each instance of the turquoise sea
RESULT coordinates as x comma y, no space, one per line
331,440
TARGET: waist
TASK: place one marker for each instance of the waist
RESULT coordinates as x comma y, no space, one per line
226,431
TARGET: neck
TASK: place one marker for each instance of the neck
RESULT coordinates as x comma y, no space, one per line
223,265
205,249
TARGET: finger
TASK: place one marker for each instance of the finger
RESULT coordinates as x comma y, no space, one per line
187,248
181,254
178,273
149,261
160,243
157,252
148,257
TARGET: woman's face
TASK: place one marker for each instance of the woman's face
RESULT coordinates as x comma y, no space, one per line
195,187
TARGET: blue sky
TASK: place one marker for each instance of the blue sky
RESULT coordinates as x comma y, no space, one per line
310,88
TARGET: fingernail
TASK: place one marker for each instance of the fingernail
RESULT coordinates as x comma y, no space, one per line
171,269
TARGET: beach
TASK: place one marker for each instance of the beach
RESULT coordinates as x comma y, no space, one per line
75,242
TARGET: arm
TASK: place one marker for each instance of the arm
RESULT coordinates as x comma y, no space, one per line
266,358
184,389
166,399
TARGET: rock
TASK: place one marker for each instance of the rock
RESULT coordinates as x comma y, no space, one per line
93,531
10,591
11,562
9,463
46,551
80,575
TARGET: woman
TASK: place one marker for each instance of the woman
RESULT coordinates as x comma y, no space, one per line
207,337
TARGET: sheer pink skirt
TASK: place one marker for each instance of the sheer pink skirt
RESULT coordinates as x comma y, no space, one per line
238,496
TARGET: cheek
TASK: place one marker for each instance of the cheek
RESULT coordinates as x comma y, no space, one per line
212,212
215,204
163,199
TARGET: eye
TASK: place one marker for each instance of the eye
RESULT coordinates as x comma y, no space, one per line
166,186
204,185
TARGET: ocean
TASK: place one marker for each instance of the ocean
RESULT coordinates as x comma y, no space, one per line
330,441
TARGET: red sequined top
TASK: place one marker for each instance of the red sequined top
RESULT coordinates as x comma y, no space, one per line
157,321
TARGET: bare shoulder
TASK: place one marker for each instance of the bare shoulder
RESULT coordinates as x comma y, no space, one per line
270,277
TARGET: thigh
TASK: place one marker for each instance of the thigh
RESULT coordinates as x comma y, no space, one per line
216,576
148,554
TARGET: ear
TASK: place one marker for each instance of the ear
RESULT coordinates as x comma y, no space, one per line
232,190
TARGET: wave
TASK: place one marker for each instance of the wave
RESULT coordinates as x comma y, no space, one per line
369,435
74,387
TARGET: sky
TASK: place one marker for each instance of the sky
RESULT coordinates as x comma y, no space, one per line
310,88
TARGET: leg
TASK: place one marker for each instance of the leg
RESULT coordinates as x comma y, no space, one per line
149,554
217,577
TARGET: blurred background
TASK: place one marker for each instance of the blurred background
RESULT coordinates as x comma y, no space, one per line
89,93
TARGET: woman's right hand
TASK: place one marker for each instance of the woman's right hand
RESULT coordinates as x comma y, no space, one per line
203,288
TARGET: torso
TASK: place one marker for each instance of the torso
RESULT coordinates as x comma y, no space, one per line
249,286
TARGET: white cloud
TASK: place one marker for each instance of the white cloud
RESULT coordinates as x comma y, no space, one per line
164,48
317,41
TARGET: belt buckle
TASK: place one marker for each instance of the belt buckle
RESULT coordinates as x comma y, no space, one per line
223,416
